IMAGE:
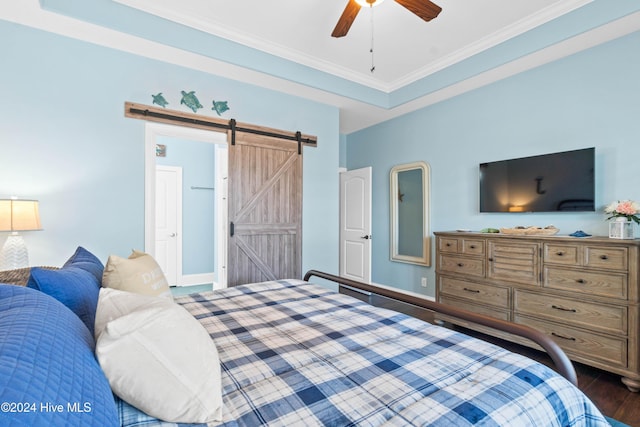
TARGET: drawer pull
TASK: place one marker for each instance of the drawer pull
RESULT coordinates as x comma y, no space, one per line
491,259
604,257
475,291
472,246
563,337
448,244
460,264
572,310
560,253
581,281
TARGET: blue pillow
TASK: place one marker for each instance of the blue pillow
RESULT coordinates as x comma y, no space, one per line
76,284
85,260
48,370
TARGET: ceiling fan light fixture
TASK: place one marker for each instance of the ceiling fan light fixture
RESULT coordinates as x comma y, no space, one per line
369,3
424,9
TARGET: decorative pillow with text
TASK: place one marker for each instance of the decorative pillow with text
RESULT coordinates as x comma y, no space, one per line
139,273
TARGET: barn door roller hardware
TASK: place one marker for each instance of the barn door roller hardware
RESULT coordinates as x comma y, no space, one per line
162,115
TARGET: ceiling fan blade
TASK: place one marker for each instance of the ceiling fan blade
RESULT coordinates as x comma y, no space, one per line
346,19
423,8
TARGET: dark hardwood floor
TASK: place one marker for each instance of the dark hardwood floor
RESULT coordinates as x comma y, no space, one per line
605,389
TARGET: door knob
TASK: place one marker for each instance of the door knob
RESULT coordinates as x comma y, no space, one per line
366,237
172,235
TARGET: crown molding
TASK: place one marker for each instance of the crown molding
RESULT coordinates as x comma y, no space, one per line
517,28
248,40
354,115
220,30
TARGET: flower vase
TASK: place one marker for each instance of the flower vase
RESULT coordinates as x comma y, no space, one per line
621,228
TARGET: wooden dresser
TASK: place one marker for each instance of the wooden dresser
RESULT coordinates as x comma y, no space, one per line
582,292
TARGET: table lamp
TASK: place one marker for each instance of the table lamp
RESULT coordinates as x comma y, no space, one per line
17,215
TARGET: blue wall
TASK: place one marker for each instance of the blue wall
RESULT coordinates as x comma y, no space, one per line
591,99
197,160
65,141
343,151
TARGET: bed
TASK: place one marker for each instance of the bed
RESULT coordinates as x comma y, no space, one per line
292,353
295,353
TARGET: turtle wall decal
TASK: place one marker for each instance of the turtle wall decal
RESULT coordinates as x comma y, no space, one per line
191,100
159,99
220,107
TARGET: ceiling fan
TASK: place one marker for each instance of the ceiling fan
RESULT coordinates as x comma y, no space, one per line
424,9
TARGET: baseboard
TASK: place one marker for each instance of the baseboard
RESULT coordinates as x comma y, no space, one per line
414,294
196,279
411,293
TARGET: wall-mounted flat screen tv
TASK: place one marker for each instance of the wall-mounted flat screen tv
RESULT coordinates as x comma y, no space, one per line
547,183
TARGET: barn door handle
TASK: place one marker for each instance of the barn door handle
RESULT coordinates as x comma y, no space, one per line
366,237
231,229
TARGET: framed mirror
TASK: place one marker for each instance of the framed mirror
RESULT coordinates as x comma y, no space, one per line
409,203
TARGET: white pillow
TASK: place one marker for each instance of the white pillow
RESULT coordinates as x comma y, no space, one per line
139,273
113,304
158,357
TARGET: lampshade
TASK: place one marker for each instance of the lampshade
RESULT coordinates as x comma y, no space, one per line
19,215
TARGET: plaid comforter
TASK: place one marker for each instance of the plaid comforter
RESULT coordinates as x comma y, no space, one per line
297,354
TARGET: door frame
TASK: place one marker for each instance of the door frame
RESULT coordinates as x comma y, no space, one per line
152,131
222,214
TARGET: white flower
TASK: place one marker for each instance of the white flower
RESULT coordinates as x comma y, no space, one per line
624,209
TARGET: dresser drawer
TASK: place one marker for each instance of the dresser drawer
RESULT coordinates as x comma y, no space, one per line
448,245
461,265
606,257
475,292
480,309
597,317
562,254
605,349
473,246
587,282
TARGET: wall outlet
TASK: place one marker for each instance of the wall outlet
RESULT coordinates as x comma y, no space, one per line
423,282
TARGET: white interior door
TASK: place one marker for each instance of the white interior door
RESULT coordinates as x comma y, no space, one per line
168,247
355,224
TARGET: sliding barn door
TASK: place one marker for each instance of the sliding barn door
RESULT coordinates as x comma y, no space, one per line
265,209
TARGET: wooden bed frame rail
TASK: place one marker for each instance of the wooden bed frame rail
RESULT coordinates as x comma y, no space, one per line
562,363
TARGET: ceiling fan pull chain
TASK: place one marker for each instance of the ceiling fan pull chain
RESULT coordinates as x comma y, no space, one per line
373,66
